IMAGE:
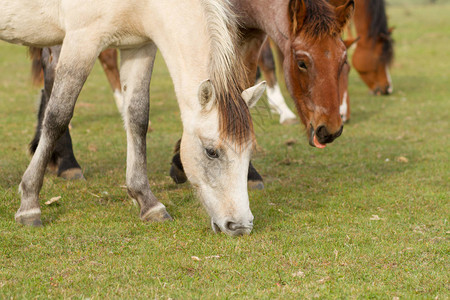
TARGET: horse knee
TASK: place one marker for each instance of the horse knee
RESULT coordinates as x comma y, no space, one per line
56,121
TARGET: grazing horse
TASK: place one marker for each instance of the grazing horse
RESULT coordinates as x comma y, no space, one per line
197,39
374,51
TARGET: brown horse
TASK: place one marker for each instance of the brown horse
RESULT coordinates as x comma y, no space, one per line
308,34
374,51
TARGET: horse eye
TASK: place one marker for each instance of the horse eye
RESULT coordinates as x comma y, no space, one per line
302,65
211,153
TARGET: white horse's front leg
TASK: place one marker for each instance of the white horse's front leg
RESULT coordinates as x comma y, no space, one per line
74,66
135,73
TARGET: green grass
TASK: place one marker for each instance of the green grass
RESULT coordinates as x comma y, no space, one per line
316,215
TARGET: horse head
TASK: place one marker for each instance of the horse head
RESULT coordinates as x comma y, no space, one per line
314,59
216,165
374,52
372,60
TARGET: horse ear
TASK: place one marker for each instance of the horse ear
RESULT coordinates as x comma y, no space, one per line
344,13
252,94
297,13
206,94
349,42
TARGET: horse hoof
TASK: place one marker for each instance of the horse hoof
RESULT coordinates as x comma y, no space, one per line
157,213
289,121
29,218
72,174
256,185
177,175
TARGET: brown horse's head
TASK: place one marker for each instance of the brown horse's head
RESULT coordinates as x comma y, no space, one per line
371,59
313,62
374,51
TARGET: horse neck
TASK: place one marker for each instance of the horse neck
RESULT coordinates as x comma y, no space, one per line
192,52
185,49
362,20
269,16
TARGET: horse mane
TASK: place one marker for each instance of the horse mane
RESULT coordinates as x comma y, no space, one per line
319,20
227,72
37,74
379,27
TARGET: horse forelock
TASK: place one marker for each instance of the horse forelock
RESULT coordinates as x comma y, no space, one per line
319,20
227,73
379,27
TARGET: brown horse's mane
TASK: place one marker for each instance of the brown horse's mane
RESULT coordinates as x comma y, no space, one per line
379,28
319,20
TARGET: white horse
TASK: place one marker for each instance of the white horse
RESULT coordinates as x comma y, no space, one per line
197,41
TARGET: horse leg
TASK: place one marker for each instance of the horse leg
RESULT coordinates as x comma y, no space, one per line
176,168
135,73
63,160
108,60
276,100
251,46
73,68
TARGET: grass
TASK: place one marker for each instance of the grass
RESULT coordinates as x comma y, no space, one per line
349,221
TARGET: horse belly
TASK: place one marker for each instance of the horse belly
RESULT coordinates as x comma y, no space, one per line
32,23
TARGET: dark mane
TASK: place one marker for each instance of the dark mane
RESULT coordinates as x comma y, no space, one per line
379,28
320,19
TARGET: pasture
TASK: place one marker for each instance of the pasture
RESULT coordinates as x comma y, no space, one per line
366,217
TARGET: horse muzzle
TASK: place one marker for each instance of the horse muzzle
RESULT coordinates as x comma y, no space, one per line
232,228
321,136
387,90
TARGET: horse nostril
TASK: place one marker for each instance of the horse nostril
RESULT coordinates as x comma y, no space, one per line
322,132
238,228
231,226
338,134
387,90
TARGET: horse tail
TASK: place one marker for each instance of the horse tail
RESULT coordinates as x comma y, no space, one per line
37,74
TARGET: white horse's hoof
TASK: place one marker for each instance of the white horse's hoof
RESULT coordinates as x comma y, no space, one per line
31,217
158,213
